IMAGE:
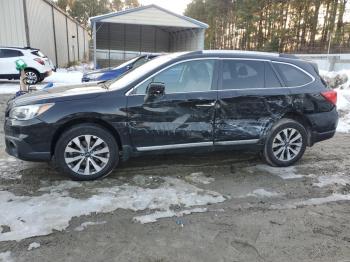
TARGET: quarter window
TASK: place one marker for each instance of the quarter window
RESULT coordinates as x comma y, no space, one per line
243,74
291,75
191,76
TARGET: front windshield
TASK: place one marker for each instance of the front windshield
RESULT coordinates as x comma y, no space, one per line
129,62
138,72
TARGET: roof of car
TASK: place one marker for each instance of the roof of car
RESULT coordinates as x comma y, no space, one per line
21,48
243,54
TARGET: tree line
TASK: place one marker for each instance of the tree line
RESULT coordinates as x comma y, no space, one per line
310,26
82,10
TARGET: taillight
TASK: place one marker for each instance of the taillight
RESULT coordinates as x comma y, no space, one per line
40,61
330,96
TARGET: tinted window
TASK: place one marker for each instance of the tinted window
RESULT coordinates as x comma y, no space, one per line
291,75
10,53
271,79
189,76
242,74
139,62
38,53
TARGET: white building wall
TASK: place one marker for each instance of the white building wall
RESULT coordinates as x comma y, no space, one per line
61,36
73,45
12,29
40,25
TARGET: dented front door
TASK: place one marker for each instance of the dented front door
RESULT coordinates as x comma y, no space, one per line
184,116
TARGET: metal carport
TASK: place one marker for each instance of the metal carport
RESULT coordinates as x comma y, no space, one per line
123,35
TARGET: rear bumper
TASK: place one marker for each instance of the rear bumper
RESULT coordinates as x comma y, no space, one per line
46,74
323,125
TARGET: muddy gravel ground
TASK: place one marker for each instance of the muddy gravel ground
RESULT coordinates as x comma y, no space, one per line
300,213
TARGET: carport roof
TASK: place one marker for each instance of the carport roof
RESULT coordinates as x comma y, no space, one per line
149,15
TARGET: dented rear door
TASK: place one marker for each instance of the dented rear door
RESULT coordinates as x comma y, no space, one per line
250,99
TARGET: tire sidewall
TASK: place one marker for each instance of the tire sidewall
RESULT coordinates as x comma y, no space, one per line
283,124
86,130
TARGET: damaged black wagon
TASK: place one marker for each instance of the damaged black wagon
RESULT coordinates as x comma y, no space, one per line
206,100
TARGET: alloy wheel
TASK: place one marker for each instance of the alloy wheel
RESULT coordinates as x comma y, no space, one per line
287,144
31,78
87,154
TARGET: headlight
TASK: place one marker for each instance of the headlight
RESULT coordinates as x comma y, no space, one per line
29,112
94,76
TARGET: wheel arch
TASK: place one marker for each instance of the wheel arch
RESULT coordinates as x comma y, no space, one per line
69,124
301,119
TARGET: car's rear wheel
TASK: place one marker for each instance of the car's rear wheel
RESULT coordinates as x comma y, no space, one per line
32,77
86,152
286,143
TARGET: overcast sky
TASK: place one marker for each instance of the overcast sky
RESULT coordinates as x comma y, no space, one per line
176,6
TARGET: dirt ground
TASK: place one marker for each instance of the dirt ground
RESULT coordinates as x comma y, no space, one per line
268,215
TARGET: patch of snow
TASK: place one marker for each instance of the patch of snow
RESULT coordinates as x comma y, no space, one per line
6,257
261,192
89,223
29,216
199,178
340,179
340,81
313,201
65,76
283,172
60,186
154,217
33,245
8,88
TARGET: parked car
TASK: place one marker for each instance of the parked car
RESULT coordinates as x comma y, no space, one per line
109,74
39,66
205,100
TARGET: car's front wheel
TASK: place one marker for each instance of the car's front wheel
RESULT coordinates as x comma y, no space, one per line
286,143
86,152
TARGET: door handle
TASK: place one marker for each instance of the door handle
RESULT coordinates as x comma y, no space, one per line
207,105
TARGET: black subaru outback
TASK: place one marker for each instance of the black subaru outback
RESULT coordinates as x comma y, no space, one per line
207,100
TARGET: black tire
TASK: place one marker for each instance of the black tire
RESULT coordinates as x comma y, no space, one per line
271,150
32,77
81,132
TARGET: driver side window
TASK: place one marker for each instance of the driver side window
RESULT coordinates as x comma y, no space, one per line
190,76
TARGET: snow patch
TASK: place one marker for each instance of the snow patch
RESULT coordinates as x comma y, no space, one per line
199,178
340,81
261,192
65,76
33,245
154,217
30,216
89,223
6,257
313,201
340,179
283,172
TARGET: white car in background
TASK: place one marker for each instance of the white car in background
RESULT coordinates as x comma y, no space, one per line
39,66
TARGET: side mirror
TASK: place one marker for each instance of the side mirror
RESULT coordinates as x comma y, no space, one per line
154,90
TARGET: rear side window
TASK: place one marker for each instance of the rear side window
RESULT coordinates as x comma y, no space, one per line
291,75
243,74
38,53
6,53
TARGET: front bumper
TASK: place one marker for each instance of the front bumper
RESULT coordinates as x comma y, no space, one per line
28,140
